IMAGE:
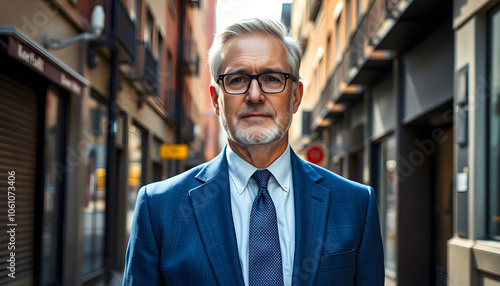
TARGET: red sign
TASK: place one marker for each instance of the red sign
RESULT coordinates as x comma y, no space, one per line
39,63
315,153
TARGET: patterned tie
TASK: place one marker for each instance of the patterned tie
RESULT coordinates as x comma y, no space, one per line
264,256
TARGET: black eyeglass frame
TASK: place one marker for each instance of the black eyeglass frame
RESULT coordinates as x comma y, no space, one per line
256,77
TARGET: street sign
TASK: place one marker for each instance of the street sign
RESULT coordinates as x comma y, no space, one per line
174,151
315,153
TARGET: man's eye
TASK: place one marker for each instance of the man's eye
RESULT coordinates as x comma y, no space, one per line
237,80
272,79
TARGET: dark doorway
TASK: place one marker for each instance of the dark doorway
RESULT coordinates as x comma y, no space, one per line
443,205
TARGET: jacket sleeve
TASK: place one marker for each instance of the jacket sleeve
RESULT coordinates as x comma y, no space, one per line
142,261
370,261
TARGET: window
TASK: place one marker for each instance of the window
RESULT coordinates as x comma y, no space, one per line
159,51
494,127
314,6
321,76
348,13
159,60
360,9
171,8
329,53
170,71
136,168
387,198
338,55
135,15
157,161
52,186
119,128
148,33
94,209
319,15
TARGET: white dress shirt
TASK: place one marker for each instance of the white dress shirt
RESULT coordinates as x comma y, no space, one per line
243,192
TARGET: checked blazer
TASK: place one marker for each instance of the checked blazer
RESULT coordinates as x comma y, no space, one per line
183,233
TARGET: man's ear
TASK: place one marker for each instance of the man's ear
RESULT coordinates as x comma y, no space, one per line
297,96
215,99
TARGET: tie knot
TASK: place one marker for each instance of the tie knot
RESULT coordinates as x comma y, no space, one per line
262,177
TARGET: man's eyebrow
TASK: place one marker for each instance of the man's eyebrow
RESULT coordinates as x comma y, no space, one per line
272,70
238,70
265,70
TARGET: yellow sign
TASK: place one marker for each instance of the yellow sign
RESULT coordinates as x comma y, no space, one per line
100,175
174,151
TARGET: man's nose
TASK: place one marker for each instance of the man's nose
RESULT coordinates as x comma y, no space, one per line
254,93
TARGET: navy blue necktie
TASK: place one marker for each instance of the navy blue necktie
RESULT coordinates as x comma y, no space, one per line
264,253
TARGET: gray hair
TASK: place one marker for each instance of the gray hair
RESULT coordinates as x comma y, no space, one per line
254,25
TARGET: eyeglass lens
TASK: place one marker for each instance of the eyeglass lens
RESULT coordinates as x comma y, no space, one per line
268,82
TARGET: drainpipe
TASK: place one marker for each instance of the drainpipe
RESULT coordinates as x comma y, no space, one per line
180,86
110,234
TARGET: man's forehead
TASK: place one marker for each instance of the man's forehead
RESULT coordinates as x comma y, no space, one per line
253,36
253,46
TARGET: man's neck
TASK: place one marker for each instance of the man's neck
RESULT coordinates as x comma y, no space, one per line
260,155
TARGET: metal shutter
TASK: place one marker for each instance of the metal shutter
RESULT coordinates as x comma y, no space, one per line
18,145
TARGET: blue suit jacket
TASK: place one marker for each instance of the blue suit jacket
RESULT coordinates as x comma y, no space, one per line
183,233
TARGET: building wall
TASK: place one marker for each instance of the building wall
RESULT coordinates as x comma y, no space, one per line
422,88
321,51
384,109
473,251
201,30
41,18
88,171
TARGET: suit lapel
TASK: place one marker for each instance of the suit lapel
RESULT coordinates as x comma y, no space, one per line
311,210
212,209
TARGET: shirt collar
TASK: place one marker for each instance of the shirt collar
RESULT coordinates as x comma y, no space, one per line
241,171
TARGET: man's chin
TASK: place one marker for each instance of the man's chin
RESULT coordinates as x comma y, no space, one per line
257,138
252,140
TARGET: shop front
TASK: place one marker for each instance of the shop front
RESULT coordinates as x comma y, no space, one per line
35,90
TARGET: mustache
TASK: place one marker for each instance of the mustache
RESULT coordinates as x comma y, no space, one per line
255,109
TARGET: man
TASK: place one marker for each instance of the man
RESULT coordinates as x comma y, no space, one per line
256,214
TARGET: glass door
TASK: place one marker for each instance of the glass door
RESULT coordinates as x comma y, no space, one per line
387,197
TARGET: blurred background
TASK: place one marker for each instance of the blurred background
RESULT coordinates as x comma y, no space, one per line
100,97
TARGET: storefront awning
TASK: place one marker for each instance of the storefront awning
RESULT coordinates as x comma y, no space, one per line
26,50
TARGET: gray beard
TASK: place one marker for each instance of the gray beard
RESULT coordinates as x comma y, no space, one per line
256,136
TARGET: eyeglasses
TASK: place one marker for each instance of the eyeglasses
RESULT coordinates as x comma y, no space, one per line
269,82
